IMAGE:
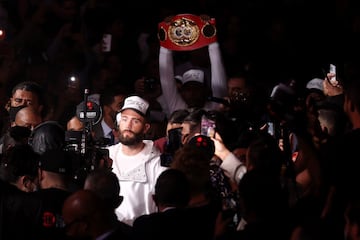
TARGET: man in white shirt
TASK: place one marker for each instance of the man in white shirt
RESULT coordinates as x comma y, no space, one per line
136,162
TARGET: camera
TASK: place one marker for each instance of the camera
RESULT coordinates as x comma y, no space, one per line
173,144
237,96
89,112
86,151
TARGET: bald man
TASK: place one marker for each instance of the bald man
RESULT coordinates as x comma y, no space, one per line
87,216
23,94
27,117
74,124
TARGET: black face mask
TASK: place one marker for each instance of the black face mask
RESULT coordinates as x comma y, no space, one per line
19,133
13,111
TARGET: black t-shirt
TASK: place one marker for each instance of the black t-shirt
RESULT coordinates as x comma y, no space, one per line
49,223
18,210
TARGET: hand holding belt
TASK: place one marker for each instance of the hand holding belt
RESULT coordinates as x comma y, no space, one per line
186,32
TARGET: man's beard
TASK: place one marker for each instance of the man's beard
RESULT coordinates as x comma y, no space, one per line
130,140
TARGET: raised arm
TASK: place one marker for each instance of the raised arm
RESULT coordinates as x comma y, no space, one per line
168,84
232,166
218,75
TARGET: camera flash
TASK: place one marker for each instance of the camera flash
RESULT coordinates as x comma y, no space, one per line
2,34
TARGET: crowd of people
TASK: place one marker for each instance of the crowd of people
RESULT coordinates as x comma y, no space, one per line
145,140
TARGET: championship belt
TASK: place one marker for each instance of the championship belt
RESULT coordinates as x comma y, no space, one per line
186,32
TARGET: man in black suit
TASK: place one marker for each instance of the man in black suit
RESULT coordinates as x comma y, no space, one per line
18,177
87,216
172,195
94,208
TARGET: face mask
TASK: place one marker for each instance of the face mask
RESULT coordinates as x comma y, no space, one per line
13,111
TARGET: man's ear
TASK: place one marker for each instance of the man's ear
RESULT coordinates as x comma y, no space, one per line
26,183
20,183
146,127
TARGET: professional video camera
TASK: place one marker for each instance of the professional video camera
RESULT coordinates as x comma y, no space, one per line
89,154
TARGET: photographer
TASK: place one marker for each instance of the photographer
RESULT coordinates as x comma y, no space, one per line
245,102
173,126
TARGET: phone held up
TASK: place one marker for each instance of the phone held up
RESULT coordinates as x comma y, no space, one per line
332,70
106,42
208,126
73,81
333,80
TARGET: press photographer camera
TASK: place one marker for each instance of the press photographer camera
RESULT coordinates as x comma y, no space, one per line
235,100
88,153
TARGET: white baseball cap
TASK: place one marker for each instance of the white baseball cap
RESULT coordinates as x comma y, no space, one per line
195,75
137,104
315,83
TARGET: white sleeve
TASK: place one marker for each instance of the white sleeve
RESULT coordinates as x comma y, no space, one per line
218,75
168,84
233,167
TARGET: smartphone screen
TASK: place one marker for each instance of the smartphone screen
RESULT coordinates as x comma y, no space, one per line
208,127
333,80
270,128
106,43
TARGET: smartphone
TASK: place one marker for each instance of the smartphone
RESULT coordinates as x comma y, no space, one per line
333,80
208,126
270,128
106,43
174,140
